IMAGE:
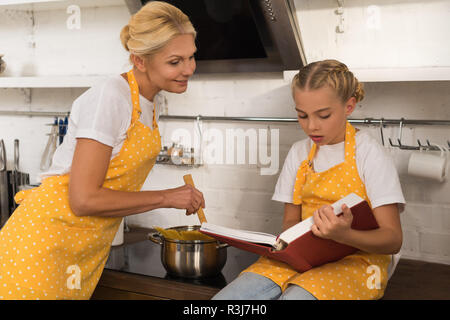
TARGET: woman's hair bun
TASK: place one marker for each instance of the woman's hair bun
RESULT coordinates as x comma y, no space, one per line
153,26
125,36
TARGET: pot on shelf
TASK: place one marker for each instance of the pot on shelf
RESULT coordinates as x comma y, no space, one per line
190,258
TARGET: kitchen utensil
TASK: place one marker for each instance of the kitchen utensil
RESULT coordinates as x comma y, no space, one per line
2,64
4,198
190,258
201,215
15,181
65,127
60,130
50,149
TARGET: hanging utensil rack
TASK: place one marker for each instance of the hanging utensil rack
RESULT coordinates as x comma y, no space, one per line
382,123
365,121
34,113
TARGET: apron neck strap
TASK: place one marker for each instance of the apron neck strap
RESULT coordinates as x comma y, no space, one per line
350,142
134,88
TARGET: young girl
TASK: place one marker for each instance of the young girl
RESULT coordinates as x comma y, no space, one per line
56,243
334,161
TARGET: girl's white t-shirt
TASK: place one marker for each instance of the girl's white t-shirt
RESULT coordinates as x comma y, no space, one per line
375,167
102,113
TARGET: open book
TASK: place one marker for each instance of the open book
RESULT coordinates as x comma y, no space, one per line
297,246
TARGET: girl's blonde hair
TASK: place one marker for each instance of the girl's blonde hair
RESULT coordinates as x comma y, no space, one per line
331,73
153,26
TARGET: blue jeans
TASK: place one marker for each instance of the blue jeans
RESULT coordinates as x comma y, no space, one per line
252,286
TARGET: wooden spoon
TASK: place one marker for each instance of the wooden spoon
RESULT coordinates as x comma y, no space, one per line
201,215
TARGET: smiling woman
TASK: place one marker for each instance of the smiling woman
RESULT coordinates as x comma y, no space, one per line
169,69
69,221
161,40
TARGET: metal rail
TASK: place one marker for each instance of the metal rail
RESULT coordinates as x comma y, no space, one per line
365,121
34,113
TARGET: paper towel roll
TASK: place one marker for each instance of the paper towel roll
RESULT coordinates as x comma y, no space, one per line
426,165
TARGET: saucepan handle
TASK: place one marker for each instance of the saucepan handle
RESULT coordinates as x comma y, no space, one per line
155,237
222,245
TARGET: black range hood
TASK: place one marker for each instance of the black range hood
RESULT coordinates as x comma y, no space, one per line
241,35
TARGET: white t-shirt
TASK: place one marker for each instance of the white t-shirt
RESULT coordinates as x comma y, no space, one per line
102,113
375,167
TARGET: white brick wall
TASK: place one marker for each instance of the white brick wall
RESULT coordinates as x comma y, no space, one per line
236,195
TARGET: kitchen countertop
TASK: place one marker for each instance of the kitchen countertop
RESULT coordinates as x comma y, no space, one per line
138,255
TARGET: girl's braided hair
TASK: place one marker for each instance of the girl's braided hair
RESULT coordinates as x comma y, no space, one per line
331,73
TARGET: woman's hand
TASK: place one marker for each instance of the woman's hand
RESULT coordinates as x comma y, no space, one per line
329,226
88,197
184,197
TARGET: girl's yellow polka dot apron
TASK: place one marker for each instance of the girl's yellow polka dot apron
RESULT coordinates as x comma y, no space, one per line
357,276
46,252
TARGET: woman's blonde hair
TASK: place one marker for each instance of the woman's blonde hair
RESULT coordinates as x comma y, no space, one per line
333,74
153,26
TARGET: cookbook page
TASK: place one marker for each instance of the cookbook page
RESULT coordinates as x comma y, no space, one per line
245,235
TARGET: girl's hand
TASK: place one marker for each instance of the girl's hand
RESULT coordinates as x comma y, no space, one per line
329,226
184,197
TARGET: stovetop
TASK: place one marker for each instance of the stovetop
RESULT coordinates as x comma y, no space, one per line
143,258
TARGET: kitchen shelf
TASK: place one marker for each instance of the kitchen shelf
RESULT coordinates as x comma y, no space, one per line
44,5
181,165
50,81
21,2
392,74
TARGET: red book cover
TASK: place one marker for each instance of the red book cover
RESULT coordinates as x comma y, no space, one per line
308,251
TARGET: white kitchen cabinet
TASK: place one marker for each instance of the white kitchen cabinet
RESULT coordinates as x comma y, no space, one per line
380,40
39,5
392,74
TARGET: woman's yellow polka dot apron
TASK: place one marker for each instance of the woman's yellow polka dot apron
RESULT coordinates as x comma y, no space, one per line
357,276
46,252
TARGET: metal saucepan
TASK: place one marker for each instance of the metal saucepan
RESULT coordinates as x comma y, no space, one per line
191,258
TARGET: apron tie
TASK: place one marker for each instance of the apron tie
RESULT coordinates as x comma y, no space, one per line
300,179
